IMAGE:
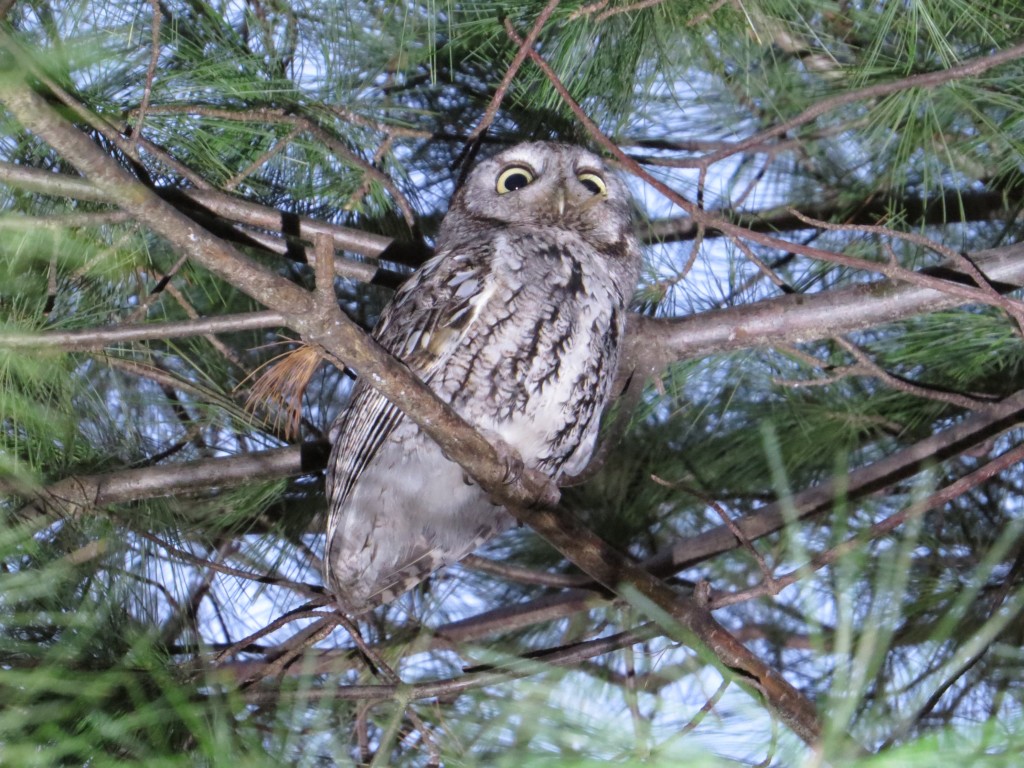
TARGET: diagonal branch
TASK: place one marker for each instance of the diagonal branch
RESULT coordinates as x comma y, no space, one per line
973,430
499,93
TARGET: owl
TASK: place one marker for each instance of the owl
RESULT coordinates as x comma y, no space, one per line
516,322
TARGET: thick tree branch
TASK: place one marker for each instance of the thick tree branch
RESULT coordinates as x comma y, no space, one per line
655,343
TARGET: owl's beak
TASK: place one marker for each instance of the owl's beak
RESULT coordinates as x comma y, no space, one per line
560,200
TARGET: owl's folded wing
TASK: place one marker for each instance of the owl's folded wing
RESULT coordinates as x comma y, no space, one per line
436,307
425,322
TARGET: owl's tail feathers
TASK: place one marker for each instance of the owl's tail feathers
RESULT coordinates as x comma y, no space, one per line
358,596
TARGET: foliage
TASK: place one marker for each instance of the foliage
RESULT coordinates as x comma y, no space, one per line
174,627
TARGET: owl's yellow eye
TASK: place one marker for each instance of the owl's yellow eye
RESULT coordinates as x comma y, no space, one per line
593,182
514,177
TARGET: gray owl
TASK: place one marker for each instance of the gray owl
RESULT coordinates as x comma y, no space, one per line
517,323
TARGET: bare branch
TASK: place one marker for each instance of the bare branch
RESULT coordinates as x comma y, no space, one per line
98,338
970,205
655,343
150,71
82,494
973,430
478,677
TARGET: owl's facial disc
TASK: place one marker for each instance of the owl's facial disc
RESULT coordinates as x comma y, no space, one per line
590,202
543,185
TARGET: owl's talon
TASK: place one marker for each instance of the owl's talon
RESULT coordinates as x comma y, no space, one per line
513,469
509,457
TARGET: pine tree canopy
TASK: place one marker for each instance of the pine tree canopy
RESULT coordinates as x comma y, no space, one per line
801,540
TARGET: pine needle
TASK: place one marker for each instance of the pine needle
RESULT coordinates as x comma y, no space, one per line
281,386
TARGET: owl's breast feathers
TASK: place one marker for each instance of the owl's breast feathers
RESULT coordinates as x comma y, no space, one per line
539,362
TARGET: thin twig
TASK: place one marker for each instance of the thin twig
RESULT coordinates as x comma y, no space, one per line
951,492
867,366
296,614
966,69
294,648
271,152
1013,307
150,72
312,590
524,50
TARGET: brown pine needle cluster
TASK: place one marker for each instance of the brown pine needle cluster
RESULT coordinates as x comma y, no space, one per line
281,386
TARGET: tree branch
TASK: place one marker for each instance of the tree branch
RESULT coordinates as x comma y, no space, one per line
965,69
232,208
973,430
473,678
98,338
80,494
969,205
655,343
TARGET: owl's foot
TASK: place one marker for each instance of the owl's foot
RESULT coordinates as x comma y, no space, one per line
508,456
516,471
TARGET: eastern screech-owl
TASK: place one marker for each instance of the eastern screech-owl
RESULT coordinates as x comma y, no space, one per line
517,323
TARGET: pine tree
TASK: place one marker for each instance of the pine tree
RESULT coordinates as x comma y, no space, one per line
810,483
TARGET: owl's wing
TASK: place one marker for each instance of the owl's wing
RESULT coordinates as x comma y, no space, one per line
435,308
422,326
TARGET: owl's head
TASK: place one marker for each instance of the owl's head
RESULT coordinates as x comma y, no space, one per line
542,184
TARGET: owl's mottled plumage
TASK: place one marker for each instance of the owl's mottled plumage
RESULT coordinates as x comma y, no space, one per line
516,322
